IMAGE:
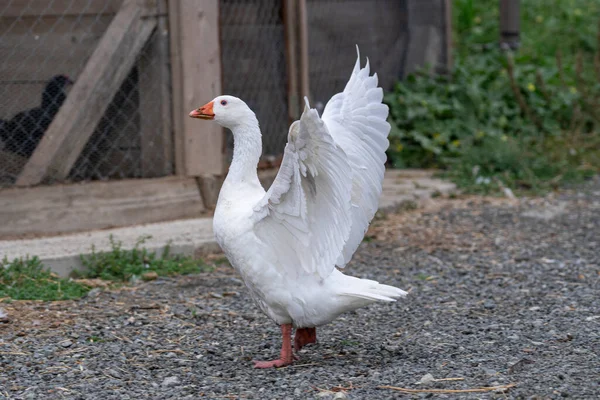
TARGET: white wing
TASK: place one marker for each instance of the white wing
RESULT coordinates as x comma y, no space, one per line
304,219
327,190
356,120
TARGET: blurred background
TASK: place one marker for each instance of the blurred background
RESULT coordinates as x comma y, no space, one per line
496,94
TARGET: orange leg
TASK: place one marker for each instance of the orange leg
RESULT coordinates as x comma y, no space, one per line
304,336
287,357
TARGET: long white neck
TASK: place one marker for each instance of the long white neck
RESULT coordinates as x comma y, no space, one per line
247,148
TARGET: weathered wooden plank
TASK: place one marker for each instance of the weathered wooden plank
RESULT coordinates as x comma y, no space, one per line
155,102
35,8
56,209
99,81
196,69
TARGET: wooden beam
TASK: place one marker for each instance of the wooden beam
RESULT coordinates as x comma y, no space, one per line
58,209
196,76
155,101
93,91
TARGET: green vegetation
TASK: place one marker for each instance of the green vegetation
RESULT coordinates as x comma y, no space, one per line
123,265
27,279
527,121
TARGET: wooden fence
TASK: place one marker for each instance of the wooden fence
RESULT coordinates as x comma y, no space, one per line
179,54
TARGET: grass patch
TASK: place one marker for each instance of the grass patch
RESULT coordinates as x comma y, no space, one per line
27,279
122,265
422,276
96,339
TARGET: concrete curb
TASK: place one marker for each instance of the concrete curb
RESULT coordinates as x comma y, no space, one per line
62,254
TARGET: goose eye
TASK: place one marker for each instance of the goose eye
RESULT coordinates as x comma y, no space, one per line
223,102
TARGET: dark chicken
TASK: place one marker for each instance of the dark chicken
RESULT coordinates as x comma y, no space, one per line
23,132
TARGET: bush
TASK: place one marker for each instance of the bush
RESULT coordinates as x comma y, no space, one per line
528,120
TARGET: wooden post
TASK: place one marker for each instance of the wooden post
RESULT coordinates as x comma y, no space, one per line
303,36
89,98
290,22
448,33
177,100
196,77
155,101
509,24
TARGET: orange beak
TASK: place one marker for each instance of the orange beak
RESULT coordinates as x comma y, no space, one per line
204,112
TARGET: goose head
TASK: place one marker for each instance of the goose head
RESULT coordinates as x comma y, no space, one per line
227,111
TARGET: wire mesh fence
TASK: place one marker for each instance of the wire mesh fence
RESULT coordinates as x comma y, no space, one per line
254,66
44,47
398,36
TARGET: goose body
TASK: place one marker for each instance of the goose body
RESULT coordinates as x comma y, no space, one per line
286,242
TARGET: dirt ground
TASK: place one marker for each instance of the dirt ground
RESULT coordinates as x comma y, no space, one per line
504,302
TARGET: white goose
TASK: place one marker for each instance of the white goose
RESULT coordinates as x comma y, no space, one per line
286,242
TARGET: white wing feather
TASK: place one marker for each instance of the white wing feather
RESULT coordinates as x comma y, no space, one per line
317,210
356,119
305,215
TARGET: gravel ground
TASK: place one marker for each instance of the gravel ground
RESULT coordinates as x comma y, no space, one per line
501,293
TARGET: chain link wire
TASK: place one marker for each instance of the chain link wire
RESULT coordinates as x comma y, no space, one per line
44,47
254,65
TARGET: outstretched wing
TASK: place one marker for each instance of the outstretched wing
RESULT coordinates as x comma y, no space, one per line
304,219
327,190
356,119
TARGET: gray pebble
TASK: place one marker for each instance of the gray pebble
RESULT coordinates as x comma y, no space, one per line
489,304
170,381
114,373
